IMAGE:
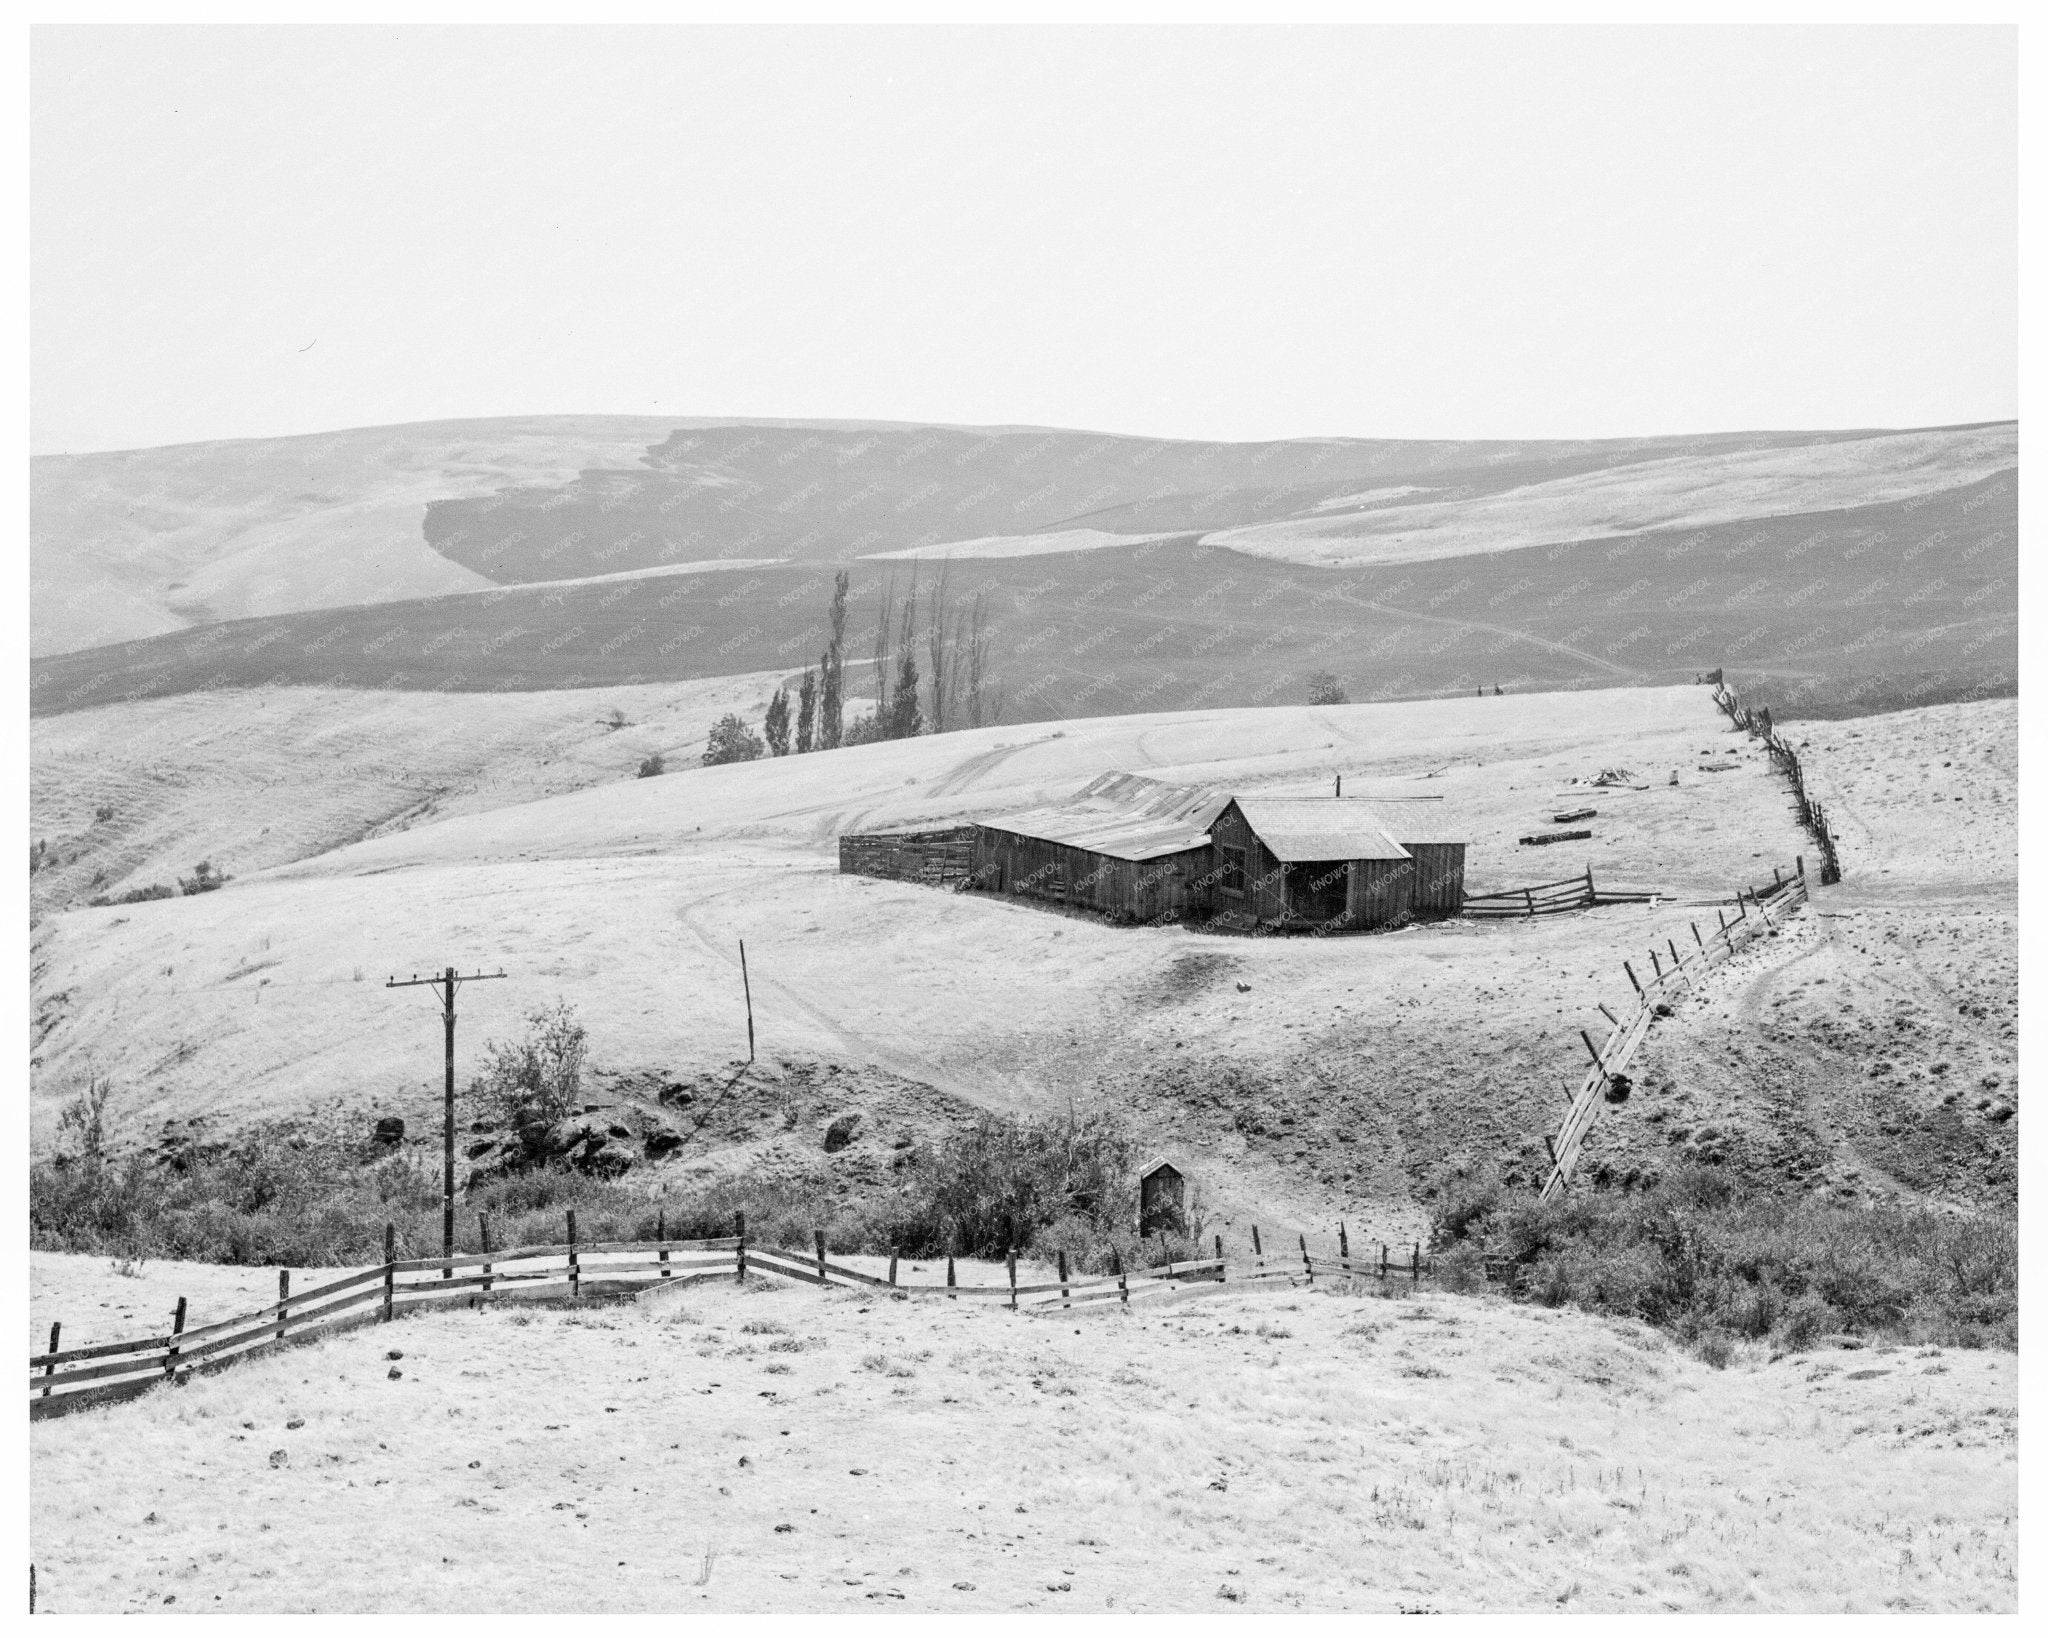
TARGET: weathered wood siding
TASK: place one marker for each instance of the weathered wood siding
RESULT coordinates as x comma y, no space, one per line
1265,894
1166,888
1439,879
936,857
1382,892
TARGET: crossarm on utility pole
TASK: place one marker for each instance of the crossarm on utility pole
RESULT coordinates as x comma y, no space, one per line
444,985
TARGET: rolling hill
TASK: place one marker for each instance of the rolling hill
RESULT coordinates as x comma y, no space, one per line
1904,602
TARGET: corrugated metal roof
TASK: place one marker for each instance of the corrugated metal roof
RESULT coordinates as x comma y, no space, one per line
1114,834
1124,816
1303,831
1194,804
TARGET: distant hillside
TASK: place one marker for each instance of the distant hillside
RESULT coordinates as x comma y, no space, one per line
134,543
817,494
1862,608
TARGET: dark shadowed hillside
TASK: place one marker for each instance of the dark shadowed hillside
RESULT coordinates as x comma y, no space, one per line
1860,609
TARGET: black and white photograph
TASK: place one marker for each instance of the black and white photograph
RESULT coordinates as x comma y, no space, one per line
833,818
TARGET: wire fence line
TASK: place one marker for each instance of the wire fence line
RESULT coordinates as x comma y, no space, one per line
62,1380
1758,912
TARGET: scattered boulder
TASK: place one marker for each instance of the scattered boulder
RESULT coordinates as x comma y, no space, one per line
662,1141
389,1131
841,1132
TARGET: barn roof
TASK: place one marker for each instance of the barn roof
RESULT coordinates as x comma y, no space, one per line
1123,816
1309,830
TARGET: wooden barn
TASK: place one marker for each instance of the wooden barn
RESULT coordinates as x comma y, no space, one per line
1329,864
1131,847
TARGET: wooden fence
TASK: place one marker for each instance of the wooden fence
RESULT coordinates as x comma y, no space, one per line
939,858
1811,814
1548,898
1758,911
68,1379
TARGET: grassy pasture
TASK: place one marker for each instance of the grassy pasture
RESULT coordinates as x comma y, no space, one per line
772,1449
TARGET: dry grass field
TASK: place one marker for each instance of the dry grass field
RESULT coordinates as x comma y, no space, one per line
133,542
253,779
1675,492
629,899
774,1449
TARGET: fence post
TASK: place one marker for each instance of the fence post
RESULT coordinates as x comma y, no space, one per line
661,1238
818,1244
1415,1264
892,1265
1656,967
1592,897
1221,1268
1306,1262
1258,1251
1063,1281
50,1370
284,1296
177,1330
1675,962
1625,967
1529,898
950,1282
575,1265
1116,1263
1383,1262
1702,943
1343,1242
390,1269
1799,863
483,1235
1012,1259
739,1225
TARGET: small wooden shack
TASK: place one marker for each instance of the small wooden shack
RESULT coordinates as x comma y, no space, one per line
1162,1200
1130,847
1327,864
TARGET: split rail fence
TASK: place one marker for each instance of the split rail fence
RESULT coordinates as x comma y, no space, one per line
1548,898
1811,814
1758,911
67,1379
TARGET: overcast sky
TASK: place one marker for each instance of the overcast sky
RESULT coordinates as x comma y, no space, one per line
1223,234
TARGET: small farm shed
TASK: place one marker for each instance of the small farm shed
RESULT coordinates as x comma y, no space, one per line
1328,863
1128,846
1162,1200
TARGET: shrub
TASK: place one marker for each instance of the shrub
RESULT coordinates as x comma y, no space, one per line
1699,1256
1325,689
528,1085
135,895
302,1195
653,767
731,740
83,1122
204,878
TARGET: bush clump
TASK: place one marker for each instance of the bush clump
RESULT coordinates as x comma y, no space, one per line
302,1194
1702,1257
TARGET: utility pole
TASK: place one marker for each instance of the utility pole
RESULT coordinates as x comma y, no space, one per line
444,987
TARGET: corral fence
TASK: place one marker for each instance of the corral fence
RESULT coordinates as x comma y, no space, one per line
70,1379
1811,814
1549,898
1758,911
938,858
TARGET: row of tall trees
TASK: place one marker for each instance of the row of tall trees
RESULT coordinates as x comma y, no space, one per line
955,687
